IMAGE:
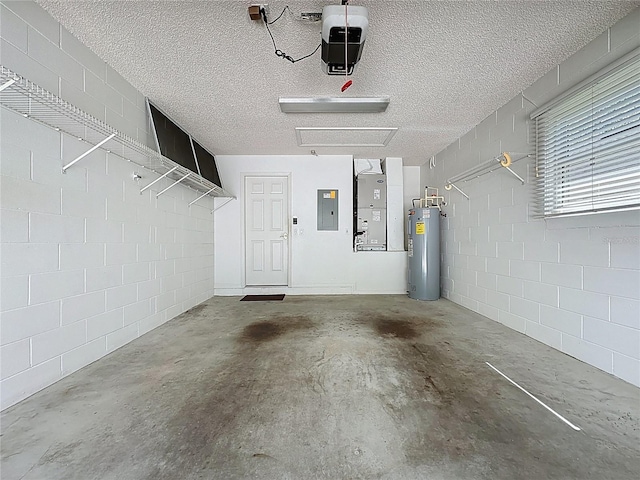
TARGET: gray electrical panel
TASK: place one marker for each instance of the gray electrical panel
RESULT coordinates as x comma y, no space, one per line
327,209
424,253
371,212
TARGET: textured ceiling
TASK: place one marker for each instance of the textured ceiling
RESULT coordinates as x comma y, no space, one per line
445,64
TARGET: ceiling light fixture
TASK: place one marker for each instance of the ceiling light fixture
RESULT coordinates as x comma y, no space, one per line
334,104
344,136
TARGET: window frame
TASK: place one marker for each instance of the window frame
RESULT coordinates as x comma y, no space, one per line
570,166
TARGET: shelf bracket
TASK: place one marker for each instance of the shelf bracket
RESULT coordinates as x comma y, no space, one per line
220,206
203,195
95,147
506,165
7,84
515,175
448,187
157,180
172,185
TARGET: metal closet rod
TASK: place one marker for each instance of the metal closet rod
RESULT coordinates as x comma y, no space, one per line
504,160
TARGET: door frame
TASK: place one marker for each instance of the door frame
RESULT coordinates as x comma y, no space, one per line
243,212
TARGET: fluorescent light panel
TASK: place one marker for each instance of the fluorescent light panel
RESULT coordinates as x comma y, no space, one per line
344,136
334,104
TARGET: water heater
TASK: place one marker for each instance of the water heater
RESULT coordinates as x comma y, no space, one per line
424,253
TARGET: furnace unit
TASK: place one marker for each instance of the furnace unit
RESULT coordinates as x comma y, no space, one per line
371,212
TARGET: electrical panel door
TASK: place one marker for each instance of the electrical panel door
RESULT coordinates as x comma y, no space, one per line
327,209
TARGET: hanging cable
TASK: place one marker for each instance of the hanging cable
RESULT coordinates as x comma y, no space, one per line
346,41
277,51
348,82
279,16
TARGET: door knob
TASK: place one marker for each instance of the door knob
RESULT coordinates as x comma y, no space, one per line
284,235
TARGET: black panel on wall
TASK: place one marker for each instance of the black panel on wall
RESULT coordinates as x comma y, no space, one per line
174,143
207,163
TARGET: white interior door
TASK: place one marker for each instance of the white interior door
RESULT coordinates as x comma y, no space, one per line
267,231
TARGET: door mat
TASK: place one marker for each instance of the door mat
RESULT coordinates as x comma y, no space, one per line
262,298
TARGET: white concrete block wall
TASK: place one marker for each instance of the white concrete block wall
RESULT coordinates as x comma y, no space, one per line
87,263
572,283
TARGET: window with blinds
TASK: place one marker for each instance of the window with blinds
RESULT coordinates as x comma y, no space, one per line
588,146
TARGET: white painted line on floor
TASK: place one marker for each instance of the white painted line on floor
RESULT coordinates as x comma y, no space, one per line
577,429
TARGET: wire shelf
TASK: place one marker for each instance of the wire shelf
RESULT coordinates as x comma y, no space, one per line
34,102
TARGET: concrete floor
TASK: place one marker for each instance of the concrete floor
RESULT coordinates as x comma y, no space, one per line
339,387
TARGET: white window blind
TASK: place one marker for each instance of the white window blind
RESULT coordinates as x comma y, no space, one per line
588,146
